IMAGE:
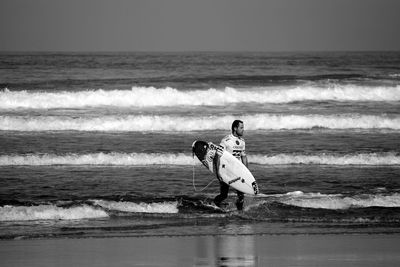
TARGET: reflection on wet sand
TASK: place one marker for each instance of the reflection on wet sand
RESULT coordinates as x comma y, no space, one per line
227,250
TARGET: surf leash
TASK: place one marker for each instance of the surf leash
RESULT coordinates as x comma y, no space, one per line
193,180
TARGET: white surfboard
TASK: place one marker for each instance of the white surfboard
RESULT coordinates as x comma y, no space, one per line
231,170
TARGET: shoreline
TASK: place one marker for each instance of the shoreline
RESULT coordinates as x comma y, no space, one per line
207,250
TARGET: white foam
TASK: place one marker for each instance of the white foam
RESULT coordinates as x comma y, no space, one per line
151,96
389,158
49,212
117,159
134,123
139,159
163,207
339,202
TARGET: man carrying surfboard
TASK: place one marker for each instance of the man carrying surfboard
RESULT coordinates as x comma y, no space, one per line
229,162
234,144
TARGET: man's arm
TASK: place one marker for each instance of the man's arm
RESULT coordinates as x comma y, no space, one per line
217,159
216,166
245,162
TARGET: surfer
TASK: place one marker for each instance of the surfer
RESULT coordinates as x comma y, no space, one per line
234,144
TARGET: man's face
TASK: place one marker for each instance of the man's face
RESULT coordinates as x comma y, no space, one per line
240,129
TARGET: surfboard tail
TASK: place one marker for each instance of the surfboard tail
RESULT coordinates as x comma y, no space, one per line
199,148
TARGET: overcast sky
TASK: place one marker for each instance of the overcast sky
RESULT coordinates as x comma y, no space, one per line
199,25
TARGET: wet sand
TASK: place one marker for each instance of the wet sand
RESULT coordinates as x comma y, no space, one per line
224,250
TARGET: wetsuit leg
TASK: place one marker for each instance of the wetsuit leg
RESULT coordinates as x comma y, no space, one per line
240,200
224,188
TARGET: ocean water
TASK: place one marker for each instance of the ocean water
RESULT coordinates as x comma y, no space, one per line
98,145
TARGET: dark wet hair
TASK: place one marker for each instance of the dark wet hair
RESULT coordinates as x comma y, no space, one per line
235,124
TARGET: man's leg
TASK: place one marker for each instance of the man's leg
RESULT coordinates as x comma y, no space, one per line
240,200
224,188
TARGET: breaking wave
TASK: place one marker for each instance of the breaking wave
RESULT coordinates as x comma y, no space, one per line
49,212
163,207
142,159
151,96
100,209
138,123
339,202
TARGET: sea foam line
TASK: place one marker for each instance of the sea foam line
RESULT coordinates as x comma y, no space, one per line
143,159
151,96
143,123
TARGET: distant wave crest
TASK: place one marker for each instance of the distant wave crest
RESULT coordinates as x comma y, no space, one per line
151,96
138,123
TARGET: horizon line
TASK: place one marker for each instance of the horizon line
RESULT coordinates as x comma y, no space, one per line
198,51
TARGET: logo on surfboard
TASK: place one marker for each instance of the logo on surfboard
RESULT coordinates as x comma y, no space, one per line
234,180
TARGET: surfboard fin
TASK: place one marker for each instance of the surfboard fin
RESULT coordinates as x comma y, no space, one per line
255,187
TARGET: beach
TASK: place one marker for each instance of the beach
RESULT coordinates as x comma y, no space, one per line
219,250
